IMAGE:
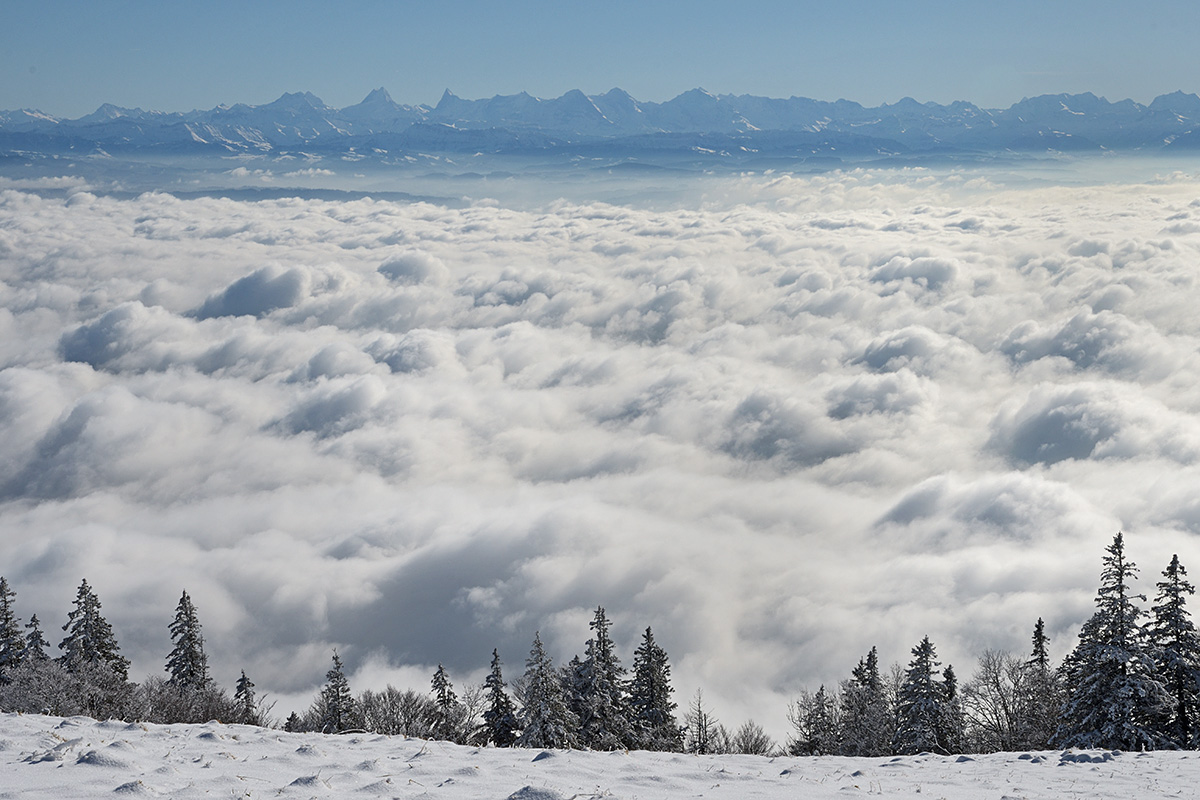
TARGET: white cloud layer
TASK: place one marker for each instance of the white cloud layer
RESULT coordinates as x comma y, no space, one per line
782,424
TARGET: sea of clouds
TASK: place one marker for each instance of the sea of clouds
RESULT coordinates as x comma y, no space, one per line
780,422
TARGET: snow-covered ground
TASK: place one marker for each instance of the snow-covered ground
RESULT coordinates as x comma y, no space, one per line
79,758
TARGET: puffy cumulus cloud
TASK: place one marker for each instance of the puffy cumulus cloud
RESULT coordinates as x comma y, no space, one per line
780,421
1093,421
335,406
1011,506
766,428
1107,340
900,392
130,337
414,267
927,273
257,294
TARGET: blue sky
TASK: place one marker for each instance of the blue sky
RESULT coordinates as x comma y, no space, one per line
68,57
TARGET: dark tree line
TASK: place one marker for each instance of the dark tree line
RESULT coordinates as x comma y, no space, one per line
592,702
1132,682
91,677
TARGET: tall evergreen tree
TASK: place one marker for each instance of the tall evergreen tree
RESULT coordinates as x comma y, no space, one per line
12,642
866,723
445,725
1177,654
598,697
952,724
90,640
546,719
500,725
36,646
187,663
338,711
652,712
920,706
1040,697
1115,698
1040,657
245,704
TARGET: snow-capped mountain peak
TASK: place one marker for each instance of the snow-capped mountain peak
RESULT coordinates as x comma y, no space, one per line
1080,121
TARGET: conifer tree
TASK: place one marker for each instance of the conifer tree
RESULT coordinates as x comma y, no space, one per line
36,646
338,712
245,704
12,643
1115,698
187,663
1040,700
952,723
446,703
1040,657
546,719
866,723
90,640
920,704
1177,654
500,724
598,697
652,713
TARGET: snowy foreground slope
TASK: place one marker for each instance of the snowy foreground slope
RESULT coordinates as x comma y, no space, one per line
78,757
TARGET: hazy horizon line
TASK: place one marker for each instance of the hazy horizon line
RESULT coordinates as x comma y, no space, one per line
451,92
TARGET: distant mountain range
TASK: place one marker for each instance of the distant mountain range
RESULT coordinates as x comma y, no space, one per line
616,124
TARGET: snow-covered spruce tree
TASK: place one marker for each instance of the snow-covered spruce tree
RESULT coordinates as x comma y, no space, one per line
866,722
338,712
814,724
1079,663
1040,699
187,664
546,719
598,697
12,642
652,713
36,646
500,725
952,725
1177,654
1115,698
246,708
571,677
83,685
445,725
920,704
90,641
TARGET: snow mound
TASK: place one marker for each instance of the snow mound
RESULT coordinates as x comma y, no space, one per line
534,793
